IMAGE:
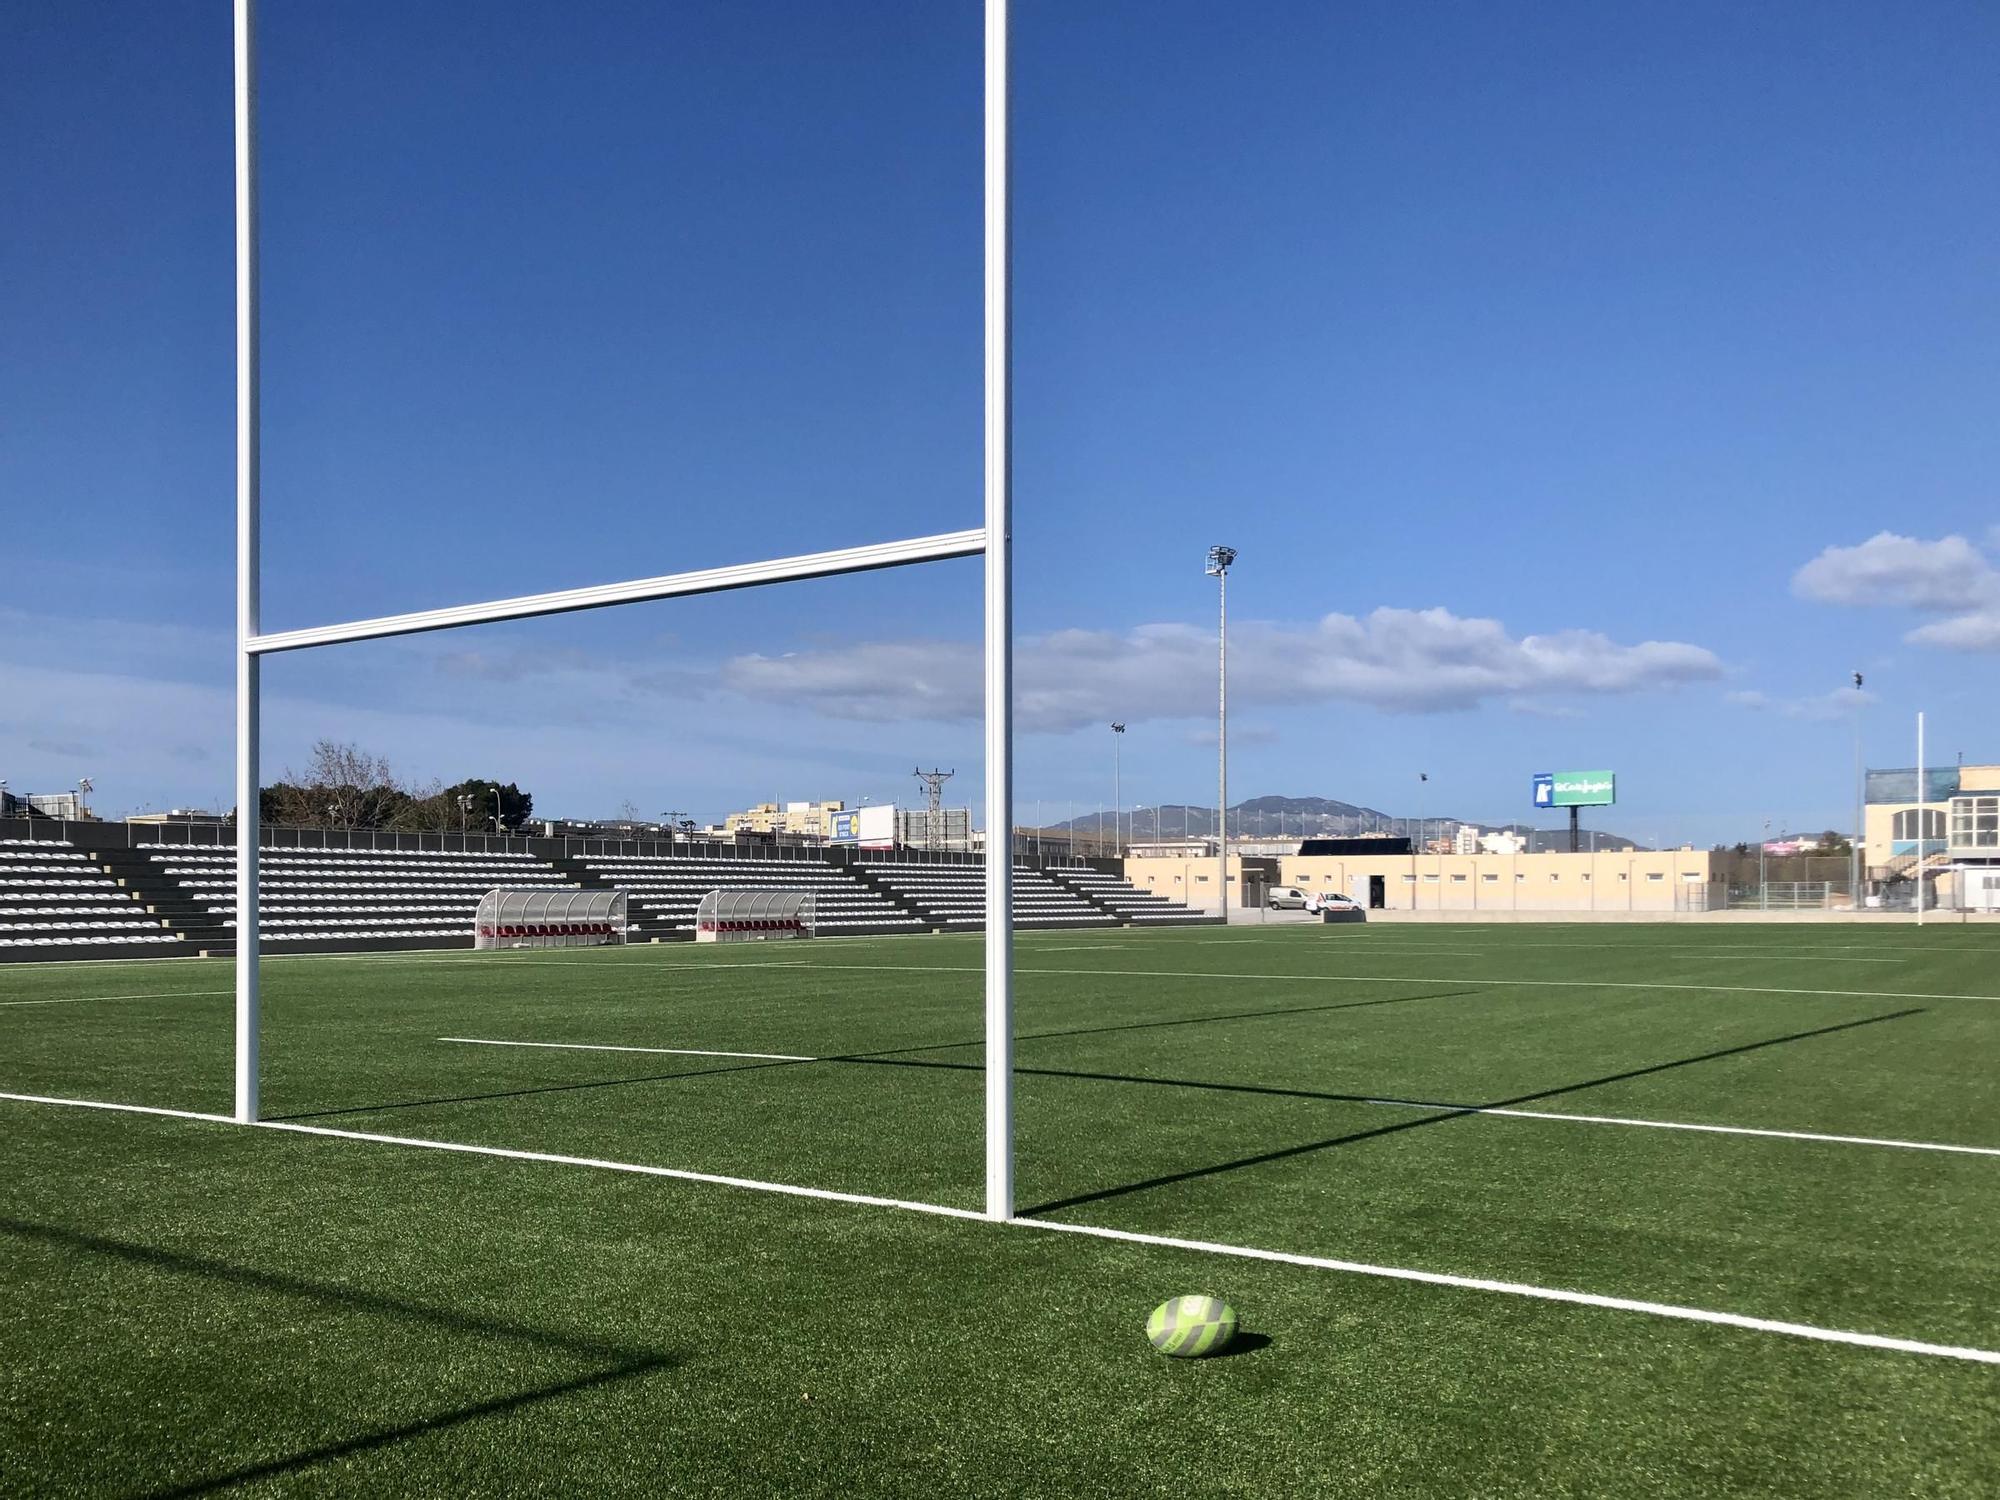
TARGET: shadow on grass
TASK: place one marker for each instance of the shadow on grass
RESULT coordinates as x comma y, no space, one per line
388,1436
352,1298
1446,1112
1244,1343
631,1362
891,1053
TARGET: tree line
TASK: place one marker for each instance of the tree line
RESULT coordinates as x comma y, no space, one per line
345,787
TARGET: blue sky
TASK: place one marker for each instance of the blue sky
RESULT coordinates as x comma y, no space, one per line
1582,386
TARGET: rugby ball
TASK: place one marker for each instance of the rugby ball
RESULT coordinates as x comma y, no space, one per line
1190,1327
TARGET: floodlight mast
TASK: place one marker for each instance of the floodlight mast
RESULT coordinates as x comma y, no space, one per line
1219,559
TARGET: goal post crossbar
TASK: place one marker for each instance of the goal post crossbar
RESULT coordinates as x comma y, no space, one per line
865,559
992,542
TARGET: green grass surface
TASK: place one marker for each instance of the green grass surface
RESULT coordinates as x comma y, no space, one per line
193,1308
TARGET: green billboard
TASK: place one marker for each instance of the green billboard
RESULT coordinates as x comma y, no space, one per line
1575,788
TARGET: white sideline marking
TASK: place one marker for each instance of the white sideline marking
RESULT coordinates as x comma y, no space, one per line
485,1041
123,1109
1787,1135
87,999
681,1174
1579,984
1541,1293
1094,1231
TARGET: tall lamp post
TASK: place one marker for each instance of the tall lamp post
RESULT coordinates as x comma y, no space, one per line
1860,812
1117,794
1219,560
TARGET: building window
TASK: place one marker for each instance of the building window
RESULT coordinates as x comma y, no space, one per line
1430,880
1409,880
1975,823
1518,876
1489,879
1555,875
1655,875
1586,877
1905,824
1458,880
1622,875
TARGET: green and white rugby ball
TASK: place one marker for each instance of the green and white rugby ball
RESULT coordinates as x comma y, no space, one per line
1190,1327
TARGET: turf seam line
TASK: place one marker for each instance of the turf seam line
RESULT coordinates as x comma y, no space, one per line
1202,1247
1768,1132
152,995
483,1041
1582,984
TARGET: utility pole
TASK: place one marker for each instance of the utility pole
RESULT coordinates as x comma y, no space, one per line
934,781
1219,560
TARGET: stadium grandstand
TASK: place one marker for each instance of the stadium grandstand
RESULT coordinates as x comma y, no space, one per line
103,889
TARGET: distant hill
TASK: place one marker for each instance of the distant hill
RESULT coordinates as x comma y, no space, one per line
1322,817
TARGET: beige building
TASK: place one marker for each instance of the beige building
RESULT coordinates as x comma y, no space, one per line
810,819
1667,880
1960,818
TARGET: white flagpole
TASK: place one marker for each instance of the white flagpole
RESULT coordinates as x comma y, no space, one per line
1920,819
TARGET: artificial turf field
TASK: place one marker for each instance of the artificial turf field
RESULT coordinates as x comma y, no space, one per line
190,1307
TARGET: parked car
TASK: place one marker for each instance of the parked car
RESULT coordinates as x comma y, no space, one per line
1333,901
1288,898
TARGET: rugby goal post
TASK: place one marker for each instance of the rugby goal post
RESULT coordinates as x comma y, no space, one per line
754,916
991,541
538,917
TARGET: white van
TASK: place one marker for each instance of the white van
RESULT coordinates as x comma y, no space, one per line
1287,898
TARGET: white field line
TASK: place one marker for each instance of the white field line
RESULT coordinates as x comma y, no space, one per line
482,1041
1407,1104
1199,1247
1579,984
1542,1293
123,1109
1787,1135
88,999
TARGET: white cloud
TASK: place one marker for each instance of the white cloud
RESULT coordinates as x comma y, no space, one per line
1949,577
1398,660
1978,630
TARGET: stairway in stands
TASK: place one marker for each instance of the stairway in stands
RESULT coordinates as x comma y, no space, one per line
200,930
1125,901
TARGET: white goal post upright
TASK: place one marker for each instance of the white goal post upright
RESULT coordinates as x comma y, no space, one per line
999,631
249,572
993,541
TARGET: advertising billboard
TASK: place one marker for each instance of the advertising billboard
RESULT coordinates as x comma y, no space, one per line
1575,788
846,827
875,827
